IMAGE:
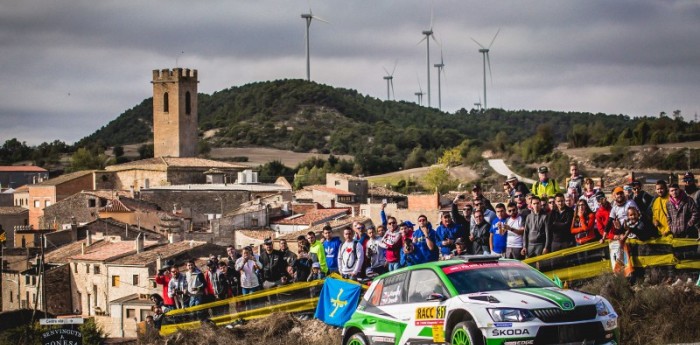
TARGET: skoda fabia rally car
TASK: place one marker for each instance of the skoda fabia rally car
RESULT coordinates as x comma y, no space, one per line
477,300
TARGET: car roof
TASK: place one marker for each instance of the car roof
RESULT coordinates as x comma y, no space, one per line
456,261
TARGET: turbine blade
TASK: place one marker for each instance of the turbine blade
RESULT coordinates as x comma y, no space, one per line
494,37
320,19
420,88
477,43
385,70
394,70
488,60
421,41
436,40
432,15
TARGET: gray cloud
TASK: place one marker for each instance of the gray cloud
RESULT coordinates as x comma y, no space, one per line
69,67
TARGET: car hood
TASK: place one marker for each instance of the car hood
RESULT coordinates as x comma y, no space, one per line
531,298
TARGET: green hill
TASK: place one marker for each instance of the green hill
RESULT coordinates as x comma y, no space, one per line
302,116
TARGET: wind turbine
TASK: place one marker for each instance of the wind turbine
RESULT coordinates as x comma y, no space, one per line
428,34
389,77
308,17
419,94
485,52
440,67
478,105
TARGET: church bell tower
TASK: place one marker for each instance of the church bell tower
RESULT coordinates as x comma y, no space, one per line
175,132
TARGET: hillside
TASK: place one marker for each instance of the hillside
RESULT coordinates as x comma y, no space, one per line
305,116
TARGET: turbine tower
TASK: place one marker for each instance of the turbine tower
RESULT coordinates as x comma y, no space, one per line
485,53
440,69
389,77
428,35
420,93
308,17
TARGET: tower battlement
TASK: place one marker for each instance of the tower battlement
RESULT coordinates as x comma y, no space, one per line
173,74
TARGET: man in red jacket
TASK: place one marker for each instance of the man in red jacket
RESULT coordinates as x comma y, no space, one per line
602,215
163,278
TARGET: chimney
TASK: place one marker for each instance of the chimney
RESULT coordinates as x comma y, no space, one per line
73,230
159,262
82,248
139,243
88,237
332,203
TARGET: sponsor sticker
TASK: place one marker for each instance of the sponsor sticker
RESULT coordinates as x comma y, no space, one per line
438,334
428,316
503,324
478,265
382,340
509,332
519,342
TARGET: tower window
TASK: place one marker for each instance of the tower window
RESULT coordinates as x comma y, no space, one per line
188,103
166,103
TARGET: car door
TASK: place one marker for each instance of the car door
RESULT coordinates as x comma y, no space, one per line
424,316
384,305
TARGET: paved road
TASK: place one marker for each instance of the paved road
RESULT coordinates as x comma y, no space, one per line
500,167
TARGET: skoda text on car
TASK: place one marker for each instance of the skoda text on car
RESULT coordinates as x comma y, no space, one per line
477,300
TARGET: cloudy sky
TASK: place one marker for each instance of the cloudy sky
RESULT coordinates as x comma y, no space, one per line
68,67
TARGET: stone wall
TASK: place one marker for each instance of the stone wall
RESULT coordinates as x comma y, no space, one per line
77,205
199,202
58,294
8,223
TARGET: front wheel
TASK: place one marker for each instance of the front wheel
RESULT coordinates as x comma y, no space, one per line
357,339
466,333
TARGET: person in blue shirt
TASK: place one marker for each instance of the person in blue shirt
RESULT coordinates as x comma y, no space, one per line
424,239
447,233
331,246
499,233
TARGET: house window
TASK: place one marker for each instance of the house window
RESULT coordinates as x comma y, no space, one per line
337,183
11,296
37,203
33,280
166,103
75,268
115,281
103,202
26,279
188,103
254,222
87,268
47,203
96,269
135,280
92,202
130,313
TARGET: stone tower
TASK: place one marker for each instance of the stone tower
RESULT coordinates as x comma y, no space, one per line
175,113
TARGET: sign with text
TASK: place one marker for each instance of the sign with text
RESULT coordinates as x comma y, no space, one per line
66,321
62,336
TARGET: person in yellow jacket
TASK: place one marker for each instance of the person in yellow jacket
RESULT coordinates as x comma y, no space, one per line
659,210
544,186
316,247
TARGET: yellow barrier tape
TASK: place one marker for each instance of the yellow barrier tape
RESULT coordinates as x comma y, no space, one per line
584,271
654,260
688,264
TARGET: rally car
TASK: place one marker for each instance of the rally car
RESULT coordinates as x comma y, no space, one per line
477,300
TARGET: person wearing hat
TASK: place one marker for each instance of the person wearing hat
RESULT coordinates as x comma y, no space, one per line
517,186
602,214
683,213
544,186
274,267
460,248
478,195
447,233
163,278
618,213
424,239
659,211
316,273
691,188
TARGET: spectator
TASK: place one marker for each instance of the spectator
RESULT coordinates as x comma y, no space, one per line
196,286
447,233
480,234
691,187
301,267
274,267
381,229
393,243
424,239
350,257
488,214
498,233
407,253
659,209
560,224
460,248
375,253
316,248
247,265
210,281
537,236
683,214
544,186
602,215
636,228
549,206
575,179
517,186
157,317
515,227
406,229
224,288
463,220
177,288
287,254
316,273
163,278
521,204
643,200
570,200
508,190
331,246
618,213
629,192
360,233
589,192
233,275
478,195
583,224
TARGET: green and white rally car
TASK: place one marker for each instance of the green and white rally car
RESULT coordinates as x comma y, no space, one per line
477,300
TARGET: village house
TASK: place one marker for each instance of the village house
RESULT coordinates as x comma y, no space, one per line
16,176
11,217
47,193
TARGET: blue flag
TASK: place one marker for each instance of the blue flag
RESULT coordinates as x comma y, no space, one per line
338,301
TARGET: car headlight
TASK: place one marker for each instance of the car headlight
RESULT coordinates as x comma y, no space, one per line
602,308
510,315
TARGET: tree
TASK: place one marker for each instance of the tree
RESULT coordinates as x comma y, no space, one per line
415,159
146,151
438,179
270,171
451,157
118,151
83,159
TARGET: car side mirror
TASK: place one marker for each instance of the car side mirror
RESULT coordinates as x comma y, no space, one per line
436,297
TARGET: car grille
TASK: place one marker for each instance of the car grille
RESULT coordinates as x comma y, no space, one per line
580,313
583,333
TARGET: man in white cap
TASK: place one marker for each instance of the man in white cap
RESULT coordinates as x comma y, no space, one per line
517,186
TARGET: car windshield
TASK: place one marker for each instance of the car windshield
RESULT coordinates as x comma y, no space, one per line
480,277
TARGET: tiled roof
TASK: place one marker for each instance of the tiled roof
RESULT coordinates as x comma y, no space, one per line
64,178
313,216
170,250
136,204
335,224
115,205
304,194
381,191
22,168
61,254
257,234
106,193
331,190
111,250
12,210
161,163
23,189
